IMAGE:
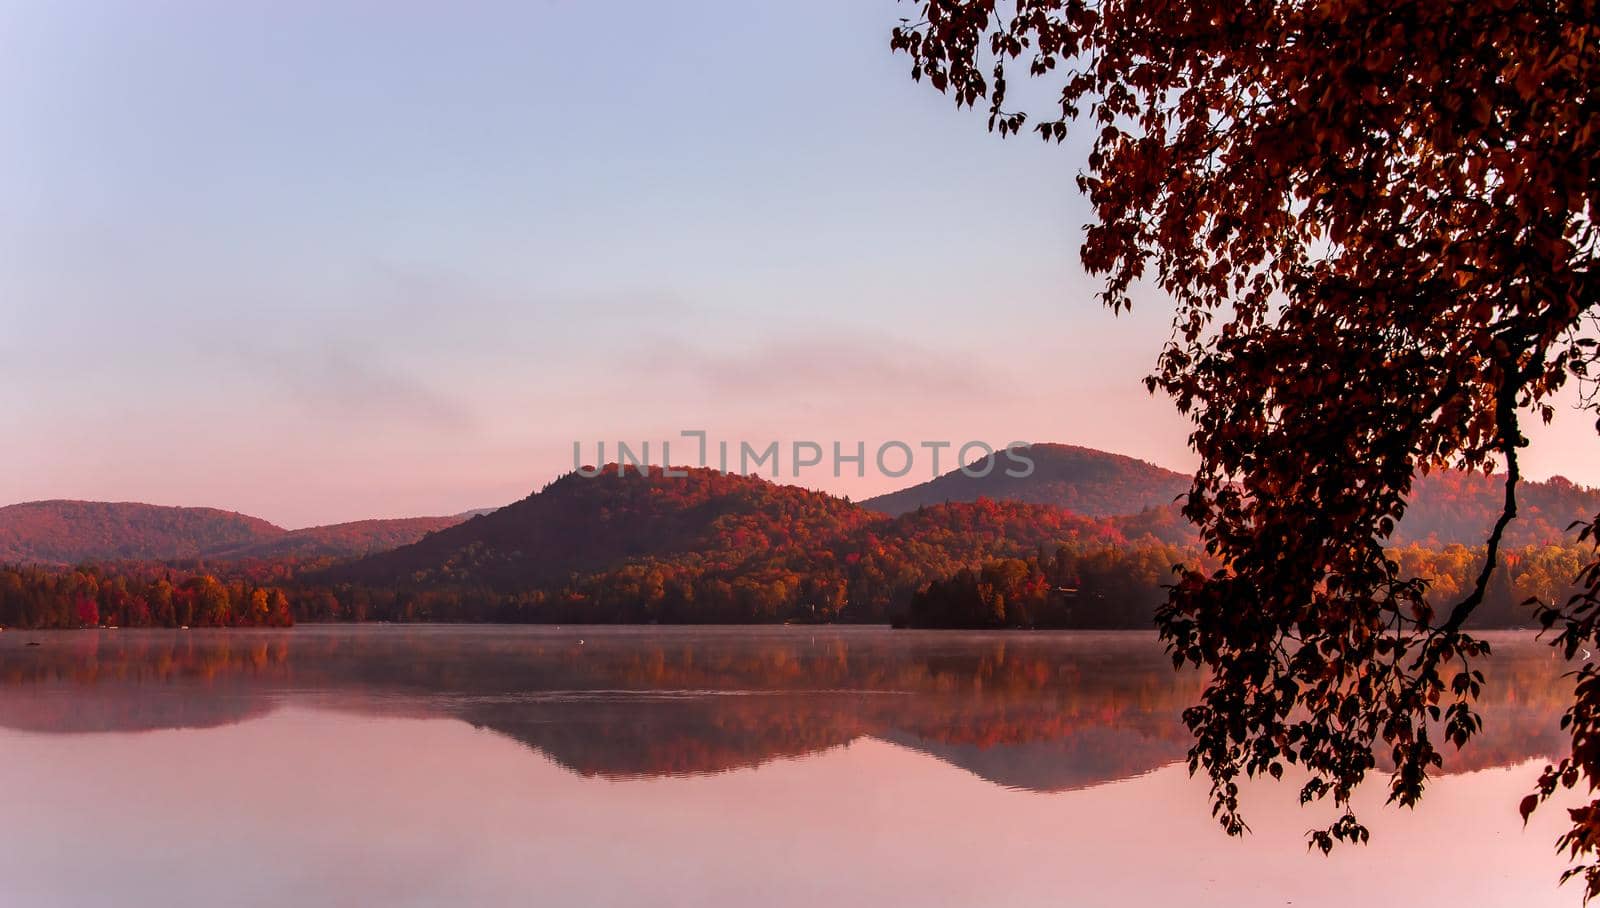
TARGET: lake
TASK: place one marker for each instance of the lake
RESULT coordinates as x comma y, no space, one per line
582,766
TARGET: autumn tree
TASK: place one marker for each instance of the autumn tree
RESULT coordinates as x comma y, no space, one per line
1376,224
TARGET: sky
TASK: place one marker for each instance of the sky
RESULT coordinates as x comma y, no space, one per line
323,262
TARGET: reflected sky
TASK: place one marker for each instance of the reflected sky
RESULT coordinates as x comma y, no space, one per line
787,766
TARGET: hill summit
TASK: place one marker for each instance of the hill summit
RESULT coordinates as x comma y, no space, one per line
1082,480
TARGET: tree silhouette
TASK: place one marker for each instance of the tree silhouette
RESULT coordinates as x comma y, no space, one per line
1377,225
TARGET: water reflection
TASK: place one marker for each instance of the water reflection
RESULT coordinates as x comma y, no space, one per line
1039,712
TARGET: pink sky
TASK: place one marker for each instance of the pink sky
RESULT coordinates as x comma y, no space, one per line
307,279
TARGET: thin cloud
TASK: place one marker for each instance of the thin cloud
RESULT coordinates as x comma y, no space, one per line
830,365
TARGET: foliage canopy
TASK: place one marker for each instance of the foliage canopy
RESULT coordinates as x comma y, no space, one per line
1377,225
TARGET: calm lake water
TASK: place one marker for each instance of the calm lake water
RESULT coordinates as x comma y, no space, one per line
588,766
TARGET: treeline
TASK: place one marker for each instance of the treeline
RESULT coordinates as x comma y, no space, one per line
970,566
1101,589
1542,572
1117,588
136,596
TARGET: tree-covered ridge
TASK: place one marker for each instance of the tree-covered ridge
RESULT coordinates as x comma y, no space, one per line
1446,508
62,532
1122,587
68,532
579,524
1451,506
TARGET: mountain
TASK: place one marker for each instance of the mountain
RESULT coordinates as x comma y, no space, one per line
1082,480
67,532
72,532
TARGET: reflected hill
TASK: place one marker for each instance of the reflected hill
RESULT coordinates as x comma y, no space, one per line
632,736
1090,757
1034,711
91,681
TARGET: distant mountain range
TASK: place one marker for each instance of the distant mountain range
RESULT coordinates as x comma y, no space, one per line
1446,507
588,526
71,532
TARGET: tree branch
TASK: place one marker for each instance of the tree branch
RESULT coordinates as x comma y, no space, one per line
1510,439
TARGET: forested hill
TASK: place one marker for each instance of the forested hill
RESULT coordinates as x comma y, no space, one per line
1083,480
1450,507
579,524
71,532
68,532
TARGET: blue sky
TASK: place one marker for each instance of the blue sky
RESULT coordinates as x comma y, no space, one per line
324,261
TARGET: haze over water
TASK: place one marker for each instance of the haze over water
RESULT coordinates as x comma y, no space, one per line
682,766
